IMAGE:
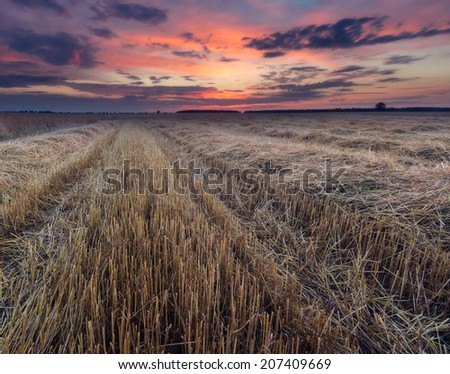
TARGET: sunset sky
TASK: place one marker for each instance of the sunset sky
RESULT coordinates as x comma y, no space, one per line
101,55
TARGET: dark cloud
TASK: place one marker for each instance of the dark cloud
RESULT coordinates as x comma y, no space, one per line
189,78
272,75
402,60
314,86
350,69
346,33
146,92
139,12
187,35
133,77
382,72
131,95
228,59
342,34
47,4
128,75
12,80
172,100
297,92
64,103
355,71
131,11
190,54
56,49
393,80
161,45
293,74
18,66
104,32
274,54
190,37
157,80
307,69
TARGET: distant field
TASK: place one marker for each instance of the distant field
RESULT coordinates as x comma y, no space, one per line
356,264
14,125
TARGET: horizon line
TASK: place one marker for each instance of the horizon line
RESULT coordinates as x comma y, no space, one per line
187,111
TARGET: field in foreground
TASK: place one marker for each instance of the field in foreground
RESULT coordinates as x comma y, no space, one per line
362,266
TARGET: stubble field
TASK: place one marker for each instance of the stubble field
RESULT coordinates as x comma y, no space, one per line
359,266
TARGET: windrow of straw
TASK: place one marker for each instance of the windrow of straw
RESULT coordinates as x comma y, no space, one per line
27,207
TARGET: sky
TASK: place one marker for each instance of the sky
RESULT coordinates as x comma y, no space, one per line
144,56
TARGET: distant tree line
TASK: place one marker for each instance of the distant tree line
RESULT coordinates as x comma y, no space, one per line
378,107
345,110
208,111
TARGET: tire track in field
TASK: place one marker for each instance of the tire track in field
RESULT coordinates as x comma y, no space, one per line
35,225
24,158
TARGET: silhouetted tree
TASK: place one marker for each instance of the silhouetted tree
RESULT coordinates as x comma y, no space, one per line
380,106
